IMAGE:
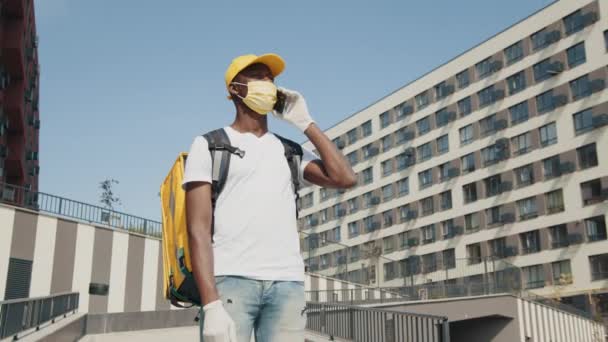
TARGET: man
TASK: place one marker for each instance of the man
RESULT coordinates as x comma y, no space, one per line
250,273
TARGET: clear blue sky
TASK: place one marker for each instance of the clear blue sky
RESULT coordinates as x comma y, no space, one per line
126,85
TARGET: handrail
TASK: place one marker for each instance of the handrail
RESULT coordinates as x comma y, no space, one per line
18,315
375,325
56,205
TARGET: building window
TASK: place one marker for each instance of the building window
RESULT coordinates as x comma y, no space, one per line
387,217
519,112
470,192
464,106
387,143
444,171
514,52
368,175
366,128
423,125
389,245
487,125
587,156
530,242
427,206
592,192
369,151
370,224
493,215
484,68
323,194
353,229
428,236
403,110
445,200
555,201
387,192
466,135
548,134
352,158
390,270
606,39
487,96
443,144
323,215
474,253
544,102
426,179
521,143
425,152
492,185
489,155
462,78
524,175
517,82
534,276
527,208
543,70
353,205
599,266
352,136
544,38
471,222
404,160
468,163
574,22
355,253
403,186
551,166
443,90
580,87
404,135
595,228
443,117
387,167
385,119
583,121
338,211
307,200
449,258
367,199
422,100
576,55
559,236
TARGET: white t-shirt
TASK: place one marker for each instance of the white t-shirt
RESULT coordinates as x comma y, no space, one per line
255,233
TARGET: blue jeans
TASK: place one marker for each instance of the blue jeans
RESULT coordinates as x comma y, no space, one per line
273,310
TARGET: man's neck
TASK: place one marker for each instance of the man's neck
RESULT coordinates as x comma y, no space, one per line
248,121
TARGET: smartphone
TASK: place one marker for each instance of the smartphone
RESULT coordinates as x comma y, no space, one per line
279,106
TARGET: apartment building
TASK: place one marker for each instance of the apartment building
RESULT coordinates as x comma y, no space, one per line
500,154
19,94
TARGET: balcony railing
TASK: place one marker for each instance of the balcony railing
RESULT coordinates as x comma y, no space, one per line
18,315
374,325
39,201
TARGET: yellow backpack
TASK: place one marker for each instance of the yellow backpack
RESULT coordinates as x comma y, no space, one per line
179,285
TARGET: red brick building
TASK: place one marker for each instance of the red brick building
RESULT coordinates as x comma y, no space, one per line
19,94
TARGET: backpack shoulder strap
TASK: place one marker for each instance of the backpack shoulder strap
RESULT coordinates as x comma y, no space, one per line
218,143
220,150
293,154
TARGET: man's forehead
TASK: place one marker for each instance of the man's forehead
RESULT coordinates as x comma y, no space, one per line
257,69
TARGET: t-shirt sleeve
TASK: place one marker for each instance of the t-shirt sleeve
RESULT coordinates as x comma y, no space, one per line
198,163
307,157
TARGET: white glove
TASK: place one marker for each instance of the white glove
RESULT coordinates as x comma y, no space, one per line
218,326
295,111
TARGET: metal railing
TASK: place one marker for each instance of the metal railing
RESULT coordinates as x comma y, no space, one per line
39,201
18,315
375,325
355,296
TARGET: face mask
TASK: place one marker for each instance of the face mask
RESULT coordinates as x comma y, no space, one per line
261,96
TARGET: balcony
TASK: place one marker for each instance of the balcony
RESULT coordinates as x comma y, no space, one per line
535,284
14,48
15,162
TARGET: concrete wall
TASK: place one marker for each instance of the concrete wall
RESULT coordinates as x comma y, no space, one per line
67,256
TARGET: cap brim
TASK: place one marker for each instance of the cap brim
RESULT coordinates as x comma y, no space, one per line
274,62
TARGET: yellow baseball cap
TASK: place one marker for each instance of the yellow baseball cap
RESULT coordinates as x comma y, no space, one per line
273,61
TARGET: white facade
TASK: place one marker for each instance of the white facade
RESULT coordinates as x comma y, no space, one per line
594,37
